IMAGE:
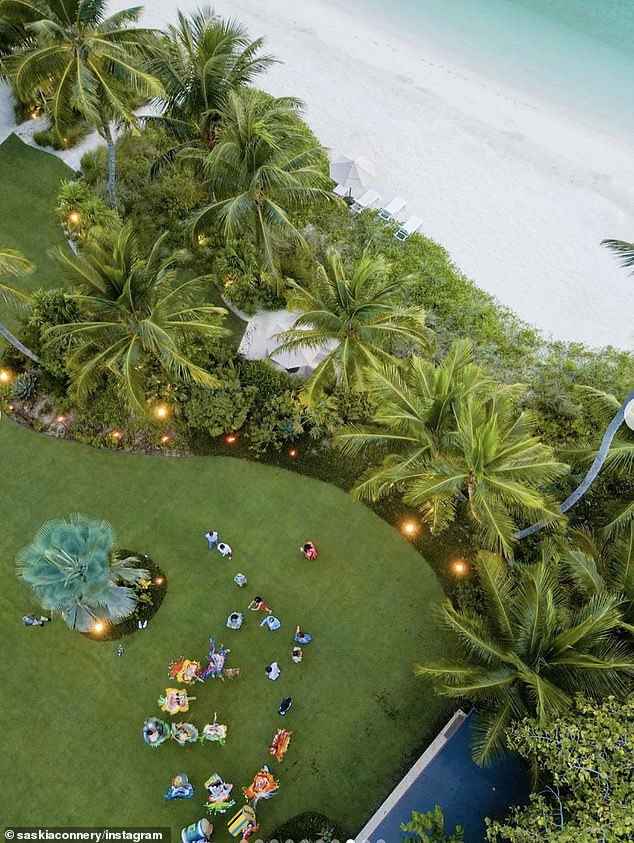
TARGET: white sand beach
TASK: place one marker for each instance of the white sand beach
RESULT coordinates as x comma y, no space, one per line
518,191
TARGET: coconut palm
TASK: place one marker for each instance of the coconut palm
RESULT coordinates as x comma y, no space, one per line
615,454
623,250
263,166
357,316
201,59
451,443
72,569
537,643
81,62
138,313
14,263
603,564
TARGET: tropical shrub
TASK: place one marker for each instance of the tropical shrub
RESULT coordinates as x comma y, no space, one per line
586,759
72,568
430,826
218,411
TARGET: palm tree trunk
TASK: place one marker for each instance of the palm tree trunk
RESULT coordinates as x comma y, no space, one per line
594,469
15,342
111,169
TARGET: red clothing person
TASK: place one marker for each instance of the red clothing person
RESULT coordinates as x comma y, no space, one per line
309,550
258,605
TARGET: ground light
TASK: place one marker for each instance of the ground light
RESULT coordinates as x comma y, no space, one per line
292,452
98,627
459,567
161,411
231,439
5,376
73,218
410,528
165,439
116,434
159,581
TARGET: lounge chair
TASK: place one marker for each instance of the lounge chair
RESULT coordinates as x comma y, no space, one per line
390,211
368,198
340,191
408,228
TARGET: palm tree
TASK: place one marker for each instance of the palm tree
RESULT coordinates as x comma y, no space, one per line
603,564
615,452
72,569
201,60
137,313
263,166
14,263
358,316
623,250
81,62
538,642
450,443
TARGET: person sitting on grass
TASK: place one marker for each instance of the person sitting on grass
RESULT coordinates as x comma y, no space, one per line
225,550
309,550
302,637
234,621
297,654
271,622
273,671
258,605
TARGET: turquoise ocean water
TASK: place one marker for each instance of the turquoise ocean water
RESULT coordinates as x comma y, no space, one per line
577,53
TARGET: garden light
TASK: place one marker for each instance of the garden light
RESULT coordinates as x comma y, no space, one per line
231,439
159,580
98,627
161,411
292,452
410,528
165,439
60,419
116,434
73,218
459,567
5,376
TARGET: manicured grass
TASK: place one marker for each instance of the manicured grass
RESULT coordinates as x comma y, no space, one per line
73,711
30,181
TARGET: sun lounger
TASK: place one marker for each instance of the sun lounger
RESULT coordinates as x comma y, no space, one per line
368,198
340,191
408,228
390,211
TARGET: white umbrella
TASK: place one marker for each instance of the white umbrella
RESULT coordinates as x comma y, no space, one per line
352,174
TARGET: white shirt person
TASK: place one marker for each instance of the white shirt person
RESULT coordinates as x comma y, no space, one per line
224,549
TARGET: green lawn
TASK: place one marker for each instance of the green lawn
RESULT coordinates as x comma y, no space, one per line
73,711
30,181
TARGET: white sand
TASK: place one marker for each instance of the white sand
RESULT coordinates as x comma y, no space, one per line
518,191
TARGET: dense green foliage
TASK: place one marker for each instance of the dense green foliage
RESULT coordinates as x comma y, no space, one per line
536,642
430,826
586,759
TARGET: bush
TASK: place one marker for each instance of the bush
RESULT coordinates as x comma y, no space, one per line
309,826
72,136
218,411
